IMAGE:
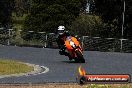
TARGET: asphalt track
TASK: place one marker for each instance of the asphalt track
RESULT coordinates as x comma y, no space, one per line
60,68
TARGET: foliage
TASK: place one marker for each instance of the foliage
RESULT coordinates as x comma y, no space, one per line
111,13
22,7
6,7
48,15
89,25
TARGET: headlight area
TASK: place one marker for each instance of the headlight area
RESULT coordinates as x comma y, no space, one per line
72,44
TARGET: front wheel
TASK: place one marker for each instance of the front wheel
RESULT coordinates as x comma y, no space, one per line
80,57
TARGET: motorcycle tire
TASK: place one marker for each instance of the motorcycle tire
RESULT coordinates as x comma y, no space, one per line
80,57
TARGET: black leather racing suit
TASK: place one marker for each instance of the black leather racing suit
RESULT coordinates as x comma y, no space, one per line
61,45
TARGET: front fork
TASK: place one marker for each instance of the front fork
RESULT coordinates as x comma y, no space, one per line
77,49
73,51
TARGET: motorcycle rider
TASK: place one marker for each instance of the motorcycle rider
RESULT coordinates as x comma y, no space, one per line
62,35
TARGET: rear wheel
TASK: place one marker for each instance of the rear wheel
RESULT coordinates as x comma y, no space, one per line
80,57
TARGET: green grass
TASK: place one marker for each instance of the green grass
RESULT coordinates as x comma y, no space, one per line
13,67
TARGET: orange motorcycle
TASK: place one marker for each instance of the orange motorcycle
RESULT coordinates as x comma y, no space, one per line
74,49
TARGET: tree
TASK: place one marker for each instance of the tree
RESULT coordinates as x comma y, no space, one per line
6,7
88,25
48,15
21,7
111,13
128,19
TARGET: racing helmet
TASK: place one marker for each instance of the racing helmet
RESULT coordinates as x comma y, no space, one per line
61,30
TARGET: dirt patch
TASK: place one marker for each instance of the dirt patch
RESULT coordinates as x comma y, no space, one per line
43,86
65,85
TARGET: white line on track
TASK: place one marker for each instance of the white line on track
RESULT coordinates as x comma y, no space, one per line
46,69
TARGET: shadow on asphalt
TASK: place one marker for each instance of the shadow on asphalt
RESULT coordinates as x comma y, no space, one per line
70,62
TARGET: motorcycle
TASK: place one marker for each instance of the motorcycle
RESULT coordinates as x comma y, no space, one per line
74,49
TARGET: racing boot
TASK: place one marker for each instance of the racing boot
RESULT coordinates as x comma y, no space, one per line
62,52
